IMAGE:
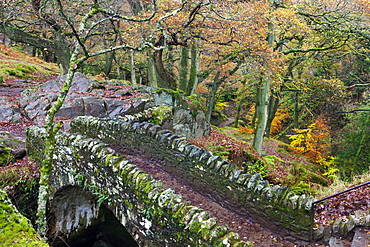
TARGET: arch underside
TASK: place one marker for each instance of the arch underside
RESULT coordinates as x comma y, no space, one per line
76,219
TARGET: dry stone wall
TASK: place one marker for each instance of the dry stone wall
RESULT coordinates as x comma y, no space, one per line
154,216
248,194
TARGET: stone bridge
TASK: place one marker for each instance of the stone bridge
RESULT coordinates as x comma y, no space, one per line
99,197
91,185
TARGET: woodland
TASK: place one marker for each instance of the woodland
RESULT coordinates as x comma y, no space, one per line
287,81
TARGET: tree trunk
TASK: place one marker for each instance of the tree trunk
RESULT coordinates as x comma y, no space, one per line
51,131
132,68
183,69
262,114
212,99
256,108
59,47
238,110
272,109
165,79
152,73
136,6
193,77
109,58
264,90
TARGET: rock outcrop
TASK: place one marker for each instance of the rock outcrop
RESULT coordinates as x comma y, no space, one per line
85,98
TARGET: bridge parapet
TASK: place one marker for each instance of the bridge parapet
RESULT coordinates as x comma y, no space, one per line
88,176
247,194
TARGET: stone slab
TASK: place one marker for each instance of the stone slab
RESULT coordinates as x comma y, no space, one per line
361,238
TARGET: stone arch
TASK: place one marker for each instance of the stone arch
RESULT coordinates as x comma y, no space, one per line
76,219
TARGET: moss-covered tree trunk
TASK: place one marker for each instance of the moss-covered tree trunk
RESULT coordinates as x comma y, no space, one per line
212,99
261,113
51,131
132,68
188,77
194,69
184,69
109,58
152,74
165,78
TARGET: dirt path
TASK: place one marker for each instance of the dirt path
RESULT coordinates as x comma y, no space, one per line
247,230
224,124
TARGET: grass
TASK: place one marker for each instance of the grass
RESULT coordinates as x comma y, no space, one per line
339,185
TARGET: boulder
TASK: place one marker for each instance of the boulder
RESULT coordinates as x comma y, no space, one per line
80,83
184,122
9,111
6,112
7,140
7,146
189,125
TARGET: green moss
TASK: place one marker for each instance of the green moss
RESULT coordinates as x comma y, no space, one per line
272,159
195,226
128,204
108,159
175,93
15,229
6,156
160,114
315,178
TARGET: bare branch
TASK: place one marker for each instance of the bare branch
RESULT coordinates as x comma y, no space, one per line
325,48
358,85
353,111
126,18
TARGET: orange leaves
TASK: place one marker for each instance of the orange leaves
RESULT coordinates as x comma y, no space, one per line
245,130
277,123
313,142
288,23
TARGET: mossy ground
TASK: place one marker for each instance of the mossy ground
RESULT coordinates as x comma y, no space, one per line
16,64
15,229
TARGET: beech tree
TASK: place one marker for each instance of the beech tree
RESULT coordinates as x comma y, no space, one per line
311,38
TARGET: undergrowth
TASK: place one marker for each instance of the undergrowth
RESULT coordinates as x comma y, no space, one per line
280,163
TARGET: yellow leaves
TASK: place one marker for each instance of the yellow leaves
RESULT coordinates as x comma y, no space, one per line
312,143
221,105
288,23
278,121
245,130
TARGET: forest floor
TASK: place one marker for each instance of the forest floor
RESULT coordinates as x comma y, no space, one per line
248,230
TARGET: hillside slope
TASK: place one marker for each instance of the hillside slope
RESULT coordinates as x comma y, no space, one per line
16,64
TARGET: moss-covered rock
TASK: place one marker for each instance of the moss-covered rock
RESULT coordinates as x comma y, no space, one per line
6,155
15,229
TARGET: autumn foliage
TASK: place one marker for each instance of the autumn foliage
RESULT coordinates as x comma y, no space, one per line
313,142
227,147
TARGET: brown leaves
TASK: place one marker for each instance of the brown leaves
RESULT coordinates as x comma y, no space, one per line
343,205
226,146
15,129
